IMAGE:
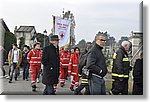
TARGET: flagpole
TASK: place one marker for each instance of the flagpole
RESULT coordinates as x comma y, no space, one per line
53,24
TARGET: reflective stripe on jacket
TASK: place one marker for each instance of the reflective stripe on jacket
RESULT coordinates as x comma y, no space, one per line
121,64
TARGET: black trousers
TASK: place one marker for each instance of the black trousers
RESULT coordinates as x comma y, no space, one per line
137,88
49,90
81,87
120,87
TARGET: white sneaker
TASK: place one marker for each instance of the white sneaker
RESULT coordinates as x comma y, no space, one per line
37,80
7,77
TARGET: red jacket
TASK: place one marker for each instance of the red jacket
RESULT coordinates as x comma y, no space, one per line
73,64
64,59
35,57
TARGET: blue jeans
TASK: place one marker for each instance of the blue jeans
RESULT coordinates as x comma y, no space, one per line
97,86
25,71
49,90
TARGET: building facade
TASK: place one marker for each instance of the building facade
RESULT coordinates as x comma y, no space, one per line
26,34
3,29
136,38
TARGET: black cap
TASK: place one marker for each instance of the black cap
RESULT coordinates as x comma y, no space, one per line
54,38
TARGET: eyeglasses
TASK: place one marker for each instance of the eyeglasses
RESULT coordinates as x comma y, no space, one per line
101,39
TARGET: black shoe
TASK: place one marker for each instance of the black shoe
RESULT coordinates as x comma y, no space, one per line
34,88
71,89
62,85
26,79
9,81
45,93
54,94
15,78
77,93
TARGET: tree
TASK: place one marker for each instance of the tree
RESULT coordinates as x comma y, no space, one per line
8,41
22,42
81,45
124,38
40,38
110,40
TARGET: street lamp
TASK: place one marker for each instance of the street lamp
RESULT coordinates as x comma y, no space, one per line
45,33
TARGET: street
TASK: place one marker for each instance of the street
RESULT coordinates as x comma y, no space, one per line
22,87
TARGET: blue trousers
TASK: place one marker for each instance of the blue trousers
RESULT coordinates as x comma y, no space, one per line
97,86
25,71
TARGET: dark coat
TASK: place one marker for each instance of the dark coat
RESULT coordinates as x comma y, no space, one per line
96,61
138,71
50,60
24,58
82,61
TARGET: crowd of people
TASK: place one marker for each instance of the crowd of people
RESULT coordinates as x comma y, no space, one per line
56,65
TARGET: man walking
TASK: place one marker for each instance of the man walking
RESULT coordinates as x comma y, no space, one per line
34,58
64,63
14,59
97,66
51,62
120,70
25,63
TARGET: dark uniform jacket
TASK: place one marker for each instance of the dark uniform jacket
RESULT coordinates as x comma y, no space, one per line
96,61
121,65
51,62
24,58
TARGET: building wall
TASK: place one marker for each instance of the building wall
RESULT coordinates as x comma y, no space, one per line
135,45
27,36
18,36
27,39
2,33
136,40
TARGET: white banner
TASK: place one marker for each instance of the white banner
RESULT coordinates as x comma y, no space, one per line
62,29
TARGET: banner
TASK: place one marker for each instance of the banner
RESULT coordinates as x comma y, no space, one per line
62,29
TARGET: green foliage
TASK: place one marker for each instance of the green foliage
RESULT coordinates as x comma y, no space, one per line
22,42
81,45
40,38
9,40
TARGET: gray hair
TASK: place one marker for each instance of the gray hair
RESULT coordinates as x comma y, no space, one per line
100,34
125,43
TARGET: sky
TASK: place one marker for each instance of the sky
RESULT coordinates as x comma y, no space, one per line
117,17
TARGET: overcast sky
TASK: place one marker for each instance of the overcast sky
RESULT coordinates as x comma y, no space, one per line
117,17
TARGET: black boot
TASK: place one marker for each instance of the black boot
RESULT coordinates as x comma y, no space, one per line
33,88
71,89
77,93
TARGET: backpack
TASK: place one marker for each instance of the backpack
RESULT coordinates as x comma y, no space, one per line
82,68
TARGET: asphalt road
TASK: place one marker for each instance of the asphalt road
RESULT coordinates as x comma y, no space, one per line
22,87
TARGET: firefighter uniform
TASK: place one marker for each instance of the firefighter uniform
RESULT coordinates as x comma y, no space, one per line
34,58
73,70
64,62
120,72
